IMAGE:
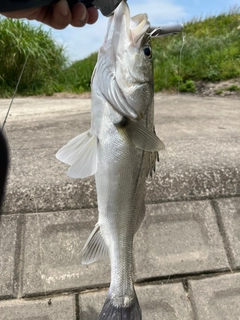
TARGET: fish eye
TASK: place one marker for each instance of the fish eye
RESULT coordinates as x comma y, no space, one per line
148,52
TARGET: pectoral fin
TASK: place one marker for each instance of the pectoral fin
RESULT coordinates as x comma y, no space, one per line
141,137
81,154
95,248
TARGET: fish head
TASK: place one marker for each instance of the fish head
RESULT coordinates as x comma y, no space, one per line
125,63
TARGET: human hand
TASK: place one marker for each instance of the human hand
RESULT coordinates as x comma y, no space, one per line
58,15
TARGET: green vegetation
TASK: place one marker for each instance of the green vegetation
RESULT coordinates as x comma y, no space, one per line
46,59
210,52
77,77
187,86
233,87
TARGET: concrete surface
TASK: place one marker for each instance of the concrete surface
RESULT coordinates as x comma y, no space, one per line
61,308
216,298
201,160
187,249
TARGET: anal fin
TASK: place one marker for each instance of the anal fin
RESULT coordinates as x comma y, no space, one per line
95,248
81,154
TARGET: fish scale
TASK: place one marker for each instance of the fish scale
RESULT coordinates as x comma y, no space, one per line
120,205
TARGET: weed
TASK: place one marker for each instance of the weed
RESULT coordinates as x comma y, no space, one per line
233,87
188,86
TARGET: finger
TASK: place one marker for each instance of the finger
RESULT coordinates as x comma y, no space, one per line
92,15
79,15
61,15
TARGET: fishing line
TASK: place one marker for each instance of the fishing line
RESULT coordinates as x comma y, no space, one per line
164,153
15,91
180,59
38,218
41,250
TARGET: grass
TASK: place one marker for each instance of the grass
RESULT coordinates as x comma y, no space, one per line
46,59
210,52
77,77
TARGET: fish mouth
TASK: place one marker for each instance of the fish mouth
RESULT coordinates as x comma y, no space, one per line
124,30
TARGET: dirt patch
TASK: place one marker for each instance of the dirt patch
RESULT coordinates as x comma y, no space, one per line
64,95
229,88
61,95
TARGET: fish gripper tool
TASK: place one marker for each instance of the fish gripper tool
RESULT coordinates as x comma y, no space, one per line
107,7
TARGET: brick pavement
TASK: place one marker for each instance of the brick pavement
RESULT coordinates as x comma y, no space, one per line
187,262
182,261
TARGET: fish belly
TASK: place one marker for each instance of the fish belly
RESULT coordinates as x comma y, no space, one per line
120,182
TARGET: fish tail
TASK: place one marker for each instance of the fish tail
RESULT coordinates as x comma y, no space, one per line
112,312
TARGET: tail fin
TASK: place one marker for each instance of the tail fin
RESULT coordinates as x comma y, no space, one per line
111,312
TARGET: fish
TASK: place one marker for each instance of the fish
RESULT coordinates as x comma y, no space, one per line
120,149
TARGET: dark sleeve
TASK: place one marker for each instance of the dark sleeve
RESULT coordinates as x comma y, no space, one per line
3,165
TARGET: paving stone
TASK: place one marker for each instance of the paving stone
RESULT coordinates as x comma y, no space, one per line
52,255
216,298
229,214
165,302
179,238
8,242
91,304
62,308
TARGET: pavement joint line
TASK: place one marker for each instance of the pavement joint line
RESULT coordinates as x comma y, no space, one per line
77,307
19,253
187,291
184,279
205,198
193,305
222,231
186,276
185,285
60,292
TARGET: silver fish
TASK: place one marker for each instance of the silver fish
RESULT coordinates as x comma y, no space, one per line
120,149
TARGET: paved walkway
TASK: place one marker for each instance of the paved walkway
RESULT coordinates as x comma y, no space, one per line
187,251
